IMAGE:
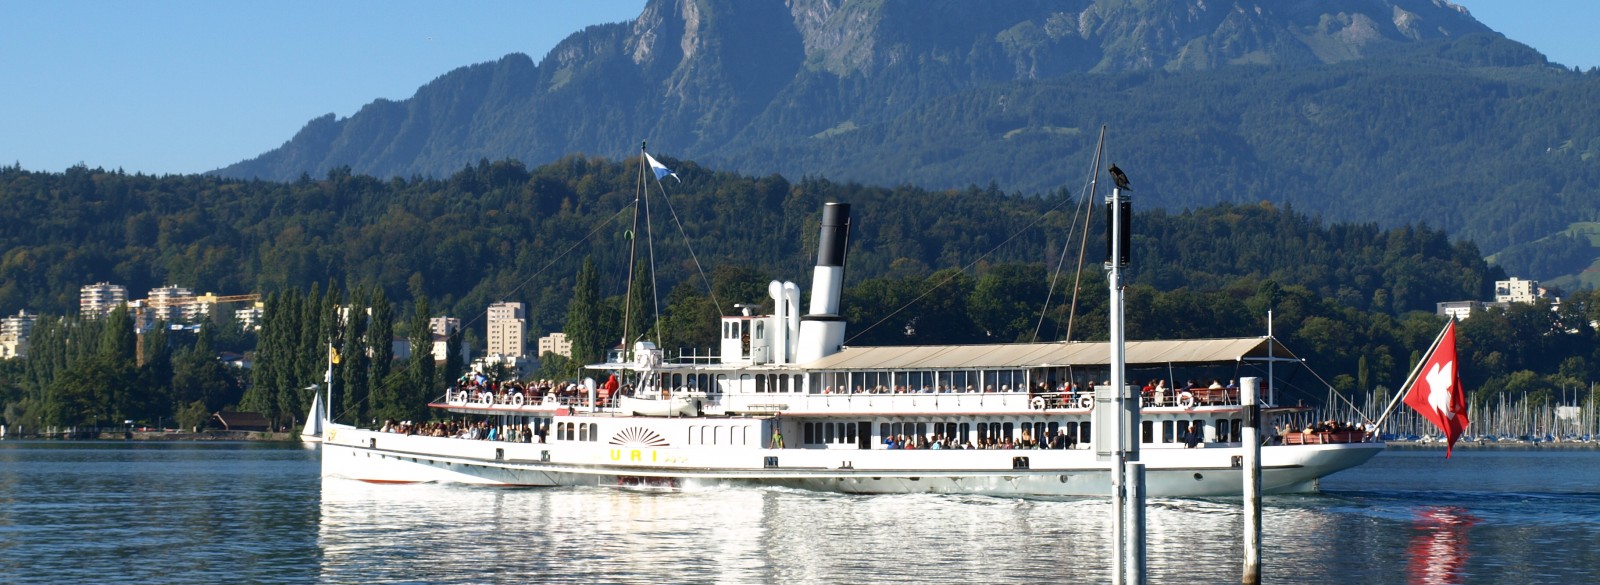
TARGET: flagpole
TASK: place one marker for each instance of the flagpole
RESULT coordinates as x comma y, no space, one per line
1413,376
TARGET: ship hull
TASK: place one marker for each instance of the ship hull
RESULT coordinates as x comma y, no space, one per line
379,457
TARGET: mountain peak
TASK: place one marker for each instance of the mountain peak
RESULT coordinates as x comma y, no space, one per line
698,76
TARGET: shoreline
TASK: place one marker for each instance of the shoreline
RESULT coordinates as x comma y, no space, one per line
201,436
1439,446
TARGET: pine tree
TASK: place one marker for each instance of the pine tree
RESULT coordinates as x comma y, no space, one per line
641,309
583,324
420,384
353,367
386,399
266,378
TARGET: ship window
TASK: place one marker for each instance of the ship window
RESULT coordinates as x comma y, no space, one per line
922,429
798,383
808,434
1055,428
1167,434
850,432
761,330
1007,433
761,382
783,383
1084,433
983,430
1147,431
884,432
827,430
583,432
964,430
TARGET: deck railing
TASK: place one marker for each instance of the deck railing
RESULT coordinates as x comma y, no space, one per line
1324,437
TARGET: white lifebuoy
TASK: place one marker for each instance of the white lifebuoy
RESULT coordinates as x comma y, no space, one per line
1085,402
1186,399
1037,403
457,397
485,398
517,399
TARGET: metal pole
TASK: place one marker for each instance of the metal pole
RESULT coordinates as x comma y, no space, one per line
1136,544
1127,482
1252,482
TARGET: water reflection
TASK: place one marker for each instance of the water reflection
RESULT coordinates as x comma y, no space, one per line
1438,549
449,533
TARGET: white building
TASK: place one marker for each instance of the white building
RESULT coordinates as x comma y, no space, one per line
1516,290
250,318
1458,310
99,299
20,324
555,343
507,325
14,335
173,304
444,326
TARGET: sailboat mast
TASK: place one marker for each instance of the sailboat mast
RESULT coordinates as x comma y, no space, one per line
1083,245
327,405
640,184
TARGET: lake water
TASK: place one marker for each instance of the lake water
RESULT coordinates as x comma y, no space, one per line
104,512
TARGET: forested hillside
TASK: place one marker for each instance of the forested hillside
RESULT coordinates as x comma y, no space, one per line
1387,111
925,266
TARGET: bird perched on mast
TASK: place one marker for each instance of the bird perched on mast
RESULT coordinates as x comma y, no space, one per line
1121,179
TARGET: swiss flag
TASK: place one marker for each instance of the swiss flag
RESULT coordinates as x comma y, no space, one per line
1436,393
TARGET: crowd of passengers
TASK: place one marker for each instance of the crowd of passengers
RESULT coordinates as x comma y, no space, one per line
479,431
531,390
1150,387
1327,426
1046,440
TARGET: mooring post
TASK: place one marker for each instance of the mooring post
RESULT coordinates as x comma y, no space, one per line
1251,441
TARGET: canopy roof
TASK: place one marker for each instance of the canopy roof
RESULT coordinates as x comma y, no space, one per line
1048,355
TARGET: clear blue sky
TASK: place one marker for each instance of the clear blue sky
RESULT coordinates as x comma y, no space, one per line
187,86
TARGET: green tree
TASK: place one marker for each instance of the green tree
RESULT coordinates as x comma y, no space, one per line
641,308
583,317
353,369
421,383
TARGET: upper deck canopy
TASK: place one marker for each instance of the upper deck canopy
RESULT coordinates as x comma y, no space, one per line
1046,355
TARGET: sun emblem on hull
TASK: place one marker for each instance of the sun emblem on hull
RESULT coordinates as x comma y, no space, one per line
638,436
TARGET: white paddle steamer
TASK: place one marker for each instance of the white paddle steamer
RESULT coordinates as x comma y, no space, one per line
785,403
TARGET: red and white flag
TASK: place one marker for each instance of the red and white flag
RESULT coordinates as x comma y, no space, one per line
1436,393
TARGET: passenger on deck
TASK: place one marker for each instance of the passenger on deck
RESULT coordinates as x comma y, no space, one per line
1193,436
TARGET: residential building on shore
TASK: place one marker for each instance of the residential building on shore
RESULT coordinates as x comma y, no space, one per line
99,299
